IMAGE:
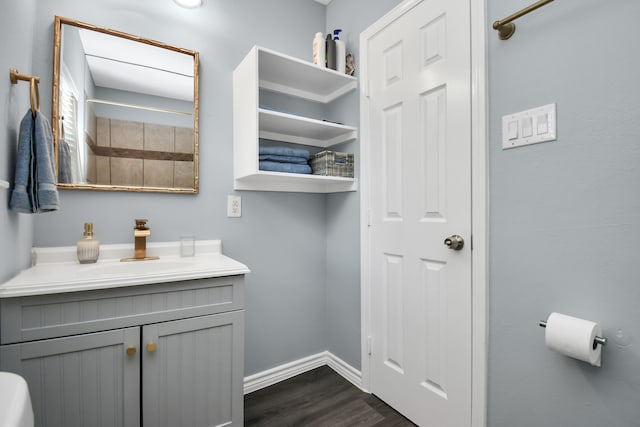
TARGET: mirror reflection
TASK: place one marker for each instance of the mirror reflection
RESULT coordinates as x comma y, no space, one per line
124,111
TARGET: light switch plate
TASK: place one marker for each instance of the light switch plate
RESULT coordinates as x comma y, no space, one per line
536,125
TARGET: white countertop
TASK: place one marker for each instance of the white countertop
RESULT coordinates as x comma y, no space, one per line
57,270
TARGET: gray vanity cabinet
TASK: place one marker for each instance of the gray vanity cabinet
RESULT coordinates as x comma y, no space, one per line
190,379
168,354
81,380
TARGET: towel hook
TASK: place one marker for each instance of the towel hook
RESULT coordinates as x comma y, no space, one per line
34,96
34,93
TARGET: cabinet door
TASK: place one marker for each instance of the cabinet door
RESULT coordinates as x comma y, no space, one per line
193,371
85,380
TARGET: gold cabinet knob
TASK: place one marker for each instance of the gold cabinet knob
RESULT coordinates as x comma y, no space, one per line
131,350
151,347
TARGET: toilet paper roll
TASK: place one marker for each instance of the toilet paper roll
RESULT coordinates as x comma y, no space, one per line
573,337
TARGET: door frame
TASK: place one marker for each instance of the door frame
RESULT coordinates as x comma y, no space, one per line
479,203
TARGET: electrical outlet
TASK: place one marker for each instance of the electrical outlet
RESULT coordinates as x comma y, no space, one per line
234,206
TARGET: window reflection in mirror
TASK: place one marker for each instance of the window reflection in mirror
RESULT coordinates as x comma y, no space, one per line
124,111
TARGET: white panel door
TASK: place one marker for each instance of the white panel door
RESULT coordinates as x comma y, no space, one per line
420,194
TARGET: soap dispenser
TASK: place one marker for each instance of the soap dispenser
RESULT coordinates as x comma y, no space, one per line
88,246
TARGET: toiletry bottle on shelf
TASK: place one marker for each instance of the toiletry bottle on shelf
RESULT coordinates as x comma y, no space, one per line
88,246
319,46
331,53
340,52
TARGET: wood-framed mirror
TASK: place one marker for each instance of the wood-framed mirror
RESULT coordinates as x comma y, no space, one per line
124,111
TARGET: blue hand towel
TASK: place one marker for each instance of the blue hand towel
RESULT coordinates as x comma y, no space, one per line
285,167
285,151
22,196
283,159
46,185
64,162
35,180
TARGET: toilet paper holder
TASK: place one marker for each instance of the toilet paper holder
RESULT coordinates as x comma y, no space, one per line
596,340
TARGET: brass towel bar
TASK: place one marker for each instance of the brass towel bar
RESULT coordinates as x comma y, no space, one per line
34,97
506,28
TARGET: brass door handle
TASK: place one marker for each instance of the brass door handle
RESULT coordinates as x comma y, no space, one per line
131,350
151,347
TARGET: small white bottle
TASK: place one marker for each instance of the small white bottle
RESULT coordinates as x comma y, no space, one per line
319,56
88,247
340,52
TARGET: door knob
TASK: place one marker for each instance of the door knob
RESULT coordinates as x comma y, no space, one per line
454,242
131,350
151,347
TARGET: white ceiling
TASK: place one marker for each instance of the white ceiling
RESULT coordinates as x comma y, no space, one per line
124,64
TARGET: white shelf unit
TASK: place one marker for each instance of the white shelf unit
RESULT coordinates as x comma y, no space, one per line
269,70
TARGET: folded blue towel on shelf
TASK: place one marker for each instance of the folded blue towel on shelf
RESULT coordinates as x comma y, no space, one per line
284,167
283,159
285,151
35,187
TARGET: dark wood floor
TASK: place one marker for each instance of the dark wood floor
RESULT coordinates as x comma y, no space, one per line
316,398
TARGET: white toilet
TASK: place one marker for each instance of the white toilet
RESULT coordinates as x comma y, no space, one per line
15,401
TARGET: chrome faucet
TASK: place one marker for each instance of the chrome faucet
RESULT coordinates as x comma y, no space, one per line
140,234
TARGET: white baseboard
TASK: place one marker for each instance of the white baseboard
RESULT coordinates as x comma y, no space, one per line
280,373
347,371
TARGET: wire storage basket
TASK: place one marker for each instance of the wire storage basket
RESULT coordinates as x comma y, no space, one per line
332,163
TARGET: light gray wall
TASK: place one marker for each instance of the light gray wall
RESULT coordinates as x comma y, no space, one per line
565,215
343,209
16,230
280,236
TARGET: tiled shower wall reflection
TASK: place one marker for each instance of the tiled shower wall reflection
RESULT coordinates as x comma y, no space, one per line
140,154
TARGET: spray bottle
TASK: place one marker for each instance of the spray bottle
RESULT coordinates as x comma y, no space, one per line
340,52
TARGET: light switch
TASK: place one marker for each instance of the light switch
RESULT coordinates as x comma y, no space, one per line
542,124
512,129
527,128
